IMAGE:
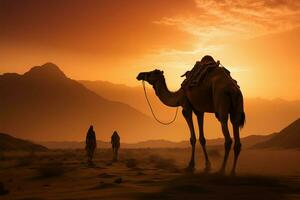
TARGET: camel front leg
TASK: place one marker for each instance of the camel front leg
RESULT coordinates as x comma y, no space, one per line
200,117
187,113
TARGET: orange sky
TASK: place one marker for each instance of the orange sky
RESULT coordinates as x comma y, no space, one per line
114,40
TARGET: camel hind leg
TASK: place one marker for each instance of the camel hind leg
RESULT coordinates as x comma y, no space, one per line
227,144
237,146
222,104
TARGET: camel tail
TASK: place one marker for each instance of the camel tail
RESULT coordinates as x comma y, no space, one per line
242,120
238,116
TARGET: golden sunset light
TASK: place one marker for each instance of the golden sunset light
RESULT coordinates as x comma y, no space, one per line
149,99
105,40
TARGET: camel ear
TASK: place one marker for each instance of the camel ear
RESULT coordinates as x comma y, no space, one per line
162,72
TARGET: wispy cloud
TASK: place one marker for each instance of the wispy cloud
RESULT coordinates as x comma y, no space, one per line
216,21
219,23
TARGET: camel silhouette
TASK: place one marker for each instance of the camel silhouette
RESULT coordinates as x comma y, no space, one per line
217,93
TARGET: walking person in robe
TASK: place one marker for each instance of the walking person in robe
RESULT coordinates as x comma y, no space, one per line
91,144
115,143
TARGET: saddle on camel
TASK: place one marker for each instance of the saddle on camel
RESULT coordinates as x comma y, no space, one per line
200,70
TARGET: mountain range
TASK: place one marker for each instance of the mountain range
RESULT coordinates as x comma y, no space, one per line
44,104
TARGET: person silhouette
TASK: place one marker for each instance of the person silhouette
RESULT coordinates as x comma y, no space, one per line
115,143
91,144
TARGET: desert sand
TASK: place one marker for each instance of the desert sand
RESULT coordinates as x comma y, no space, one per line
148,174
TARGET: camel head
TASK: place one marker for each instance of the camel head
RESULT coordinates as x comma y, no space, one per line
151,77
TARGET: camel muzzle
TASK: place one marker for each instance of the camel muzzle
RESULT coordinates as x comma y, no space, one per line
141,76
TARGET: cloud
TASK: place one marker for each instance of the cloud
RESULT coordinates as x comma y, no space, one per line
219,21
220,25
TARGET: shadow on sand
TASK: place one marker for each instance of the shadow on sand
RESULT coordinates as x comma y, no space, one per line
213,186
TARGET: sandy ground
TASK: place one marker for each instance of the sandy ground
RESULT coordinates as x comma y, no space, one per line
148,174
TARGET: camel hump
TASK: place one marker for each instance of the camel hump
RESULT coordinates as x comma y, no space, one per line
227,73
199,71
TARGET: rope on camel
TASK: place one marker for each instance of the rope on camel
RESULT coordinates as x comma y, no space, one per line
153,114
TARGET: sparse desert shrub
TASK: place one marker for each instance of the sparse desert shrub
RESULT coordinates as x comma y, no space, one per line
131,163
48,170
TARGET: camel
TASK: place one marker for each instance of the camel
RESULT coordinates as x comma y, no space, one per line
218,94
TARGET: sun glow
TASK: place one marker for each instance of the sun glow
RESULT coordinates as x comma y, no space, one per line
253,39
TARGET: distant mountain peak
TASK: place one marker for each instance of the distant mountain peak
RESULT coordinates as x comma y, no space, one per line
294,125
46,70
50,65
287,138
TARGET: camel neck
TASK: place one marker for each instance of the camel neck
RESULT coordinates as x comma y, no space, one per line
168,97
